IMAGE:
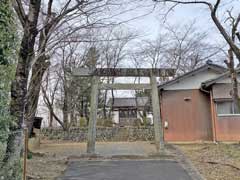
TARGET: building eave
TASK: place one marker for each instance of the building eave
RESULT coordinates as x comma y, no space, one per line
212,66
210,82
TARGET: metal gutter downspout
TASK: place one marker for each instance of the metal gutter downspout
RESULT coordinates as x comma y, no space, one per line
213,112
203,90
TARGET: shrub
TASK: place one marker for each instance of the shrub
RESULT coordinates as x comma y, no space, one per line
83,122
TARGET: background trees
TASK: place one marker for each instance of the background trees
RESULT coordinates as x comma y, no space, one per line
56,36
183,47
44,25
228,32
113,52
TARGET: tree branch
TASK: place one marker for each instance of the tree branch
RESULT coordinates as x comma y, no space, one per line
17,5
216,6
238,35
187,2
216,21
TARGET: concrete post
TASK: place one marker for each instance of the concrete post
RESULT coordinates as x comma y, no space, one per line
158,130
93,116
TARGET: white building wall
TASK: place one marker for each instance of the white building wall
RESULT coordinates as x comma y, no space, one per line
115,117
150,116
226,80
139,114
193,82
42,111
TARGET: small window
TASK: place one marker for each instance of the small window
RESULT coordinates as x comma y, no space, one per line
225,107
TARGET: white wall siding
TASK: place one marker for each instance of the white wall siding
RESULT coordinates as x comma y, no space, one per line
115,117
226,80
193,82
150,116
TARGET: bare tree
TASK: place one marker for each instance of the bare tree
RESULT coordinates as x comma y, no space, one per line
230,38
213,8
151,52
42,23
57,90
188,48
230,62
112,53
49,90
70,89
182,47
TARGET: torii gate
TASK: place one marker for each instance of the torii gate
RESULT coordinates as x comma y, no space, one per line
124,72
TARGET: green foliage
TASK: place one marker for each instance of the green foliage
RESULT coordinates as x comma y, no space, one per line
104,122
6,74
83,122
7,52
12,173
7,33
137,123
146,122
108,123
7,69
8,45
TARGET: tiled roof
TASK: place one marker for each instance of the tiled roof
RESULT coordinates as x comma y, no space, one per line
130,102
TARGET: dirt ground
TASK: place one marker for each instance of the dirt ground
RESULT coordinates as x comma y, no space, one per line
215,161
47,163
50,160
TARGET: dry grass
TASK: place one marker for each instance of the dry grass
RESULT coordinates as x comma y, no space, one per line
47,162
215,161
45,168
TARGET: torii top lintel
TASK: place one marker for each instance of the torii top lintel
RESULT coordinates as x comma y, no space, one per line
120,72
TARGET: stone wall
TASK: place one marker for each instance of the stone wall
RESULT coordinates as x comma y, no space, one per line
103,134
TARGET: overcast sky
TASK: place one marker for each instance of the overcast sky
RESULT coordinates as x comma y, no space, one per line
152,24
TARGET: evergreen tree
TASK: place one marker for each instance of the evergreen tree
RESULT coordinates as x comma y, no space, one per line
8,44
7,32
7,51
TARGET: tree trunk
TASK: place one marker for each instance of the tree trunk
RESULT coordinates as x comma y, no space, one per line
38,70
19,84
105,101
86,115
82,108
50,119
65,109
50,108
111,110
225,35
73,119
105,105
234,82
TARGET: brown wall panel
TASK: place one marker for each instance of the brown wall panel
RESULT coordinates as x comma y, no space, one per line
228,128
188,115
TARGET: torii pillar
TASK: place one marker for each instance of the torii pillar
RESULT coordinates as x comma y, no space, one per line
157,122
93,116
